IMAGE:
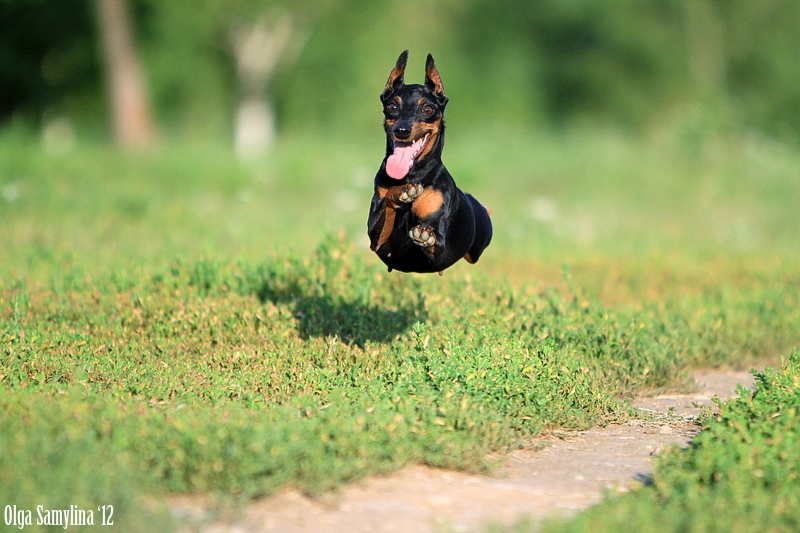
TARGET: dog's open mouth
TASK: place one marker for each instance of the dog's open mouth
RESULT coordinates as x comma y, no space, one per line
400,162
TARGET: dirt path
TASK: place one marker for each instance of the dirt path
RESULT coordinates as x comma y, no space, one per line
564,477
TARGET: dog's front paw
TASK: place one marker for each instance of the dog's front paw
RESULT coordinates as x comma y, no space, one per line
409,192
423,235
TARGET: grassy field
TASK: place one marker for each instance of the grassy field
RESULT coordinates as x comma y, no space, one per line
180,321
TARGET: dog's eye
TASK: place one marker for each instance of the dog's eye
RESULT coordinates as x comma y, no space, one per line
428,109
391,108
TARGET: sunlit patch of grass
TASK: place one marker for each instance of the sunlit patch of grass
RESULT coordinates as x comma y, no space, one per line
554,198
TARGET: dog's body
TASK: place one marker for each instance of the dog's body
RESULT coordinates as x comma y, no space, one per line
419,221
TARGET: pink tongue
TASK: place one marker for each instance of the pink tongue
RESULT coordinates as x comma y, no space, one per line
399,163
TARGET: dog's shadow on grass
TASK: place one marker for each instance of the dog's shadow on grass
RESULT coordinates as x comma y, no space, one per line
352,321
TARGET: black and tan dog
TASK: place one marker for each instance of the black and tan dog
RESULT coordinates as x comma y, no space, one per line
419,221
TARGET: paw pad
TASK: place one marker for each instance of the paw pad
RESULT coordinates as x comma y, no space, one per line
410,191
423,235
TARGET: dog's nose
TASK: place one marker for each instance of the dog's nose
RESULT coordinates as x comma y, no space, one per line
401,131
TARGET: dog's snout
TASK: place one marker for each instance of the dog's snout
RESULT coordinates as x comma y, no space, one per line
402,131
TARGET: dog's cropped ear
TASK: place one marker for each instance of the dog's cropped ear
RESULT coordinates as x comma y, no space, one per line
433,82
396,77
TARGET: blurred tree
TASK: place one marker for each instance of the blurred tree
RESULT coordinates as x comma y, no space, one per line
618,62
214,62
46,57
641,64
761,58
259,46
131,115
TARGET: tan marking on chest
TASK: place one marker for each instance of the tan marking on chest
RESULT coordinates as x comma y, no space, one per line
427,203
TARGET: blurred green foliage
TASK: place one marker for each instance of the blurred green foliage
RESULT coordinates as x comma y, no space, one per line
640,64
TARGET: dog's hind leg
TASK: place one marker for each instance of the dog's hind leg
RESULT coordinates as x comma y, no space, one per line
483,231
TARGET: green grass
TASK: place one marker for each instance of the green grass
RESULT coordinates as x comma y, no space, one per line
309,372
177,321
573,197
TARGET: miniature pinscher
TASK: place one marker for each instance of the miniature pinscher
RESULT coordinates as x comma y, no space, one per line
419,221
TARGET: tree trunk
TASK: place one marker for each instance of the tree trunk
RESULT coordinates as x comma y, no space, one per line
258,48
132,117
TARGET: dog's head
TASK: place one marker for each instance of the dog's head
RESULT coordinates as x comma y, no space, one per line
413,117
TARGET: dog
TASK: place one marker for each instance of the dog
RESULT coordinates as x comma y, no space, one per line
419,220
